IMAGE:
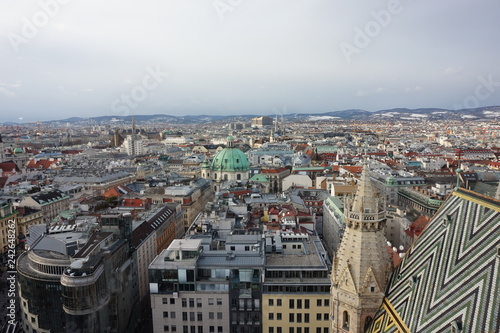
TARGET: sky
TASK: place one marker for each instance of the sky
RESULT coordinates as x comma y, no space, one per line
69,58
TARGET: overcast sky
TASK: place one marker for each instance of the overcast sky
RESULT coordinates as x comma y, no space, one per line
63,58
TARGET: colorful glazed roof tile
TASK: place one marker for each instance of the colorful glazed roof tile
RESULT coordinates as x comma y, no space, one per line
449,280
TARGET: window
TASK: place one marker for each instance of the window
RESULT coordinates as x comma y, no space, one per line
306,304
306,317
290,330
185,329
325,316
306,329
219,329
232,248
299,304
200,329
165,314
271,302
299,318
318,316
345,320
278,330
212,329
200,316
278,302
198,303
291,304
163,301
271,329
172,315
166,328
192,329
318,329
219,315
291,317
172,301
219,301
191,316
299,329
372,289
184,316
173,328
278,316
184,303
319,302
210,301
325,329
211,315
327,302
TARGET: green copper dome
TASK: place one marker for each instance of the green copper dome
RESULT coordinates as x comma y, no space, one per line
230,159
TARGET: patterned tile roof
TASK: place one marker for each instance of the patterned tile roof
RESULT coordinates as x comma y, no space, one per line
448,281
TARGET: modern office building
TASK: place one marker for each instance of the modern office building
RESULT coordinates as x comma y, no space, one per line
82,278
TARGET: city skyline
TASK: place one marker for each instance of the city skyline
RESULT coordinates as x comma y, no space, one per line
65,59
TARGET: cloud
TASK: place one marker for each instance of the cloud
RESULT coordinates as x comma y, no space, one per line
65,92
6,92
5,88
452,70
412,89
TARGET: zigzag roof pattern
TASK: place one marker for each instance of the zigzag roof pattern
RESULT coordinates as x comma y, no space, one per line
449,279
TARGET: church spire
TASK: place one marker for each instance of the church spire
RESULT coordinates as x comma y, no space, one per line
361,266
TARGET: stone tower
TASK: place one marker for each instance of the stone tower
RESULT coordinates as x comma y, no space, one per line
361,266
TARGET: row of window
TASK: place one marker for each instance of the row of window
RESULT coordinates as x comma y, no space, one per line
298,317
192,315
192,329
292,303
323,289
191,302
297,330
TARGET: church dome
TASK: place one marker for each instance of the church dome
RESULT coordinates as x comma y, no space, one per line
230,159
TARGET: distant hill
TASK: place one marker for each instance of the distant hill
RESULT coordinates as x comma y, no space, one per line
482,113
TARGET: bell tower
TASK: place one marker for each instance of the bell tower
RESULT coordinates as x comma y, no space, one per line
361,266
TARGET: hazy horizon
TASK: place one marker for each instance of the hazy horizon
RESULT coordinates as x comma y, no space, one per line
67,59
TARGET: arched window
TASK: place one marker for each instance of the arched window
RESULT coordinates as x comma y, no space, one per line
345,321
238,177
